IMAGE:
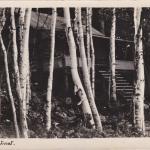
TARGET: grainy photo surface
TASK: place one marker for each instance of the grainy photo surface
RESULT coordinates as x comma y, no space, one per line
74,72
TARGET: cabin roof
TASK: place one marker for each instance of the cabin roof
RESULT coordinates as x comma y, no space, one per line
42,21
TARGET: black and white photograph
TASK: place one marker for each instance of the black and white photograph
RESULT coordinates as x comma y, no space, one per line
74,72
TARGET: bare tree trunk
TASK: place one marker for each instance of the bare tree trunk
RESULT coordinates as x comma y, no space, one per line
51,68
112,58
92,52
138,98
28,85
28,90
2,47
15,58
88,40
21,19
21,15
76,79
86,77
24,71
9,87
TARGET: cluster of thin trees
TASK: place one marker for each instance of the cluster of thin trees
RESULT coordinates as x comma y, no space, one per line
20,28
138,98
20,59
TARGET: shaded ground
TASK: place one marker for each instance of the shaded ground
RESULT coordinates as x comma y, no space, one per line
67,122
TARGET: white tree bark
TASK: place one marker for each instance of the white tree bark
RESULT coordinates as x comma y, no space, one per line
24,70
15,54
76,79
92,52
28,85
20,30
140,80
88,39
28,90
86,77
9,88
21,19
51,68
112,57
2,47
15,59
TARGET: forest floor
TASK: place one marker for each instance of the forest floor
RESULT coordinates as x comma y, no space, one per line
67,122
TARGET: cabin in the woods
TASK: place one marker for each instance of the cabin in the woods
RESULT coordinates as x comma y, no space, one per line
40,47
40,42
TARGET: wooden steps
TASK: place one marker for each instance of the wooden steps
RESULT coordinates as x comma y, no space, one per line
124,87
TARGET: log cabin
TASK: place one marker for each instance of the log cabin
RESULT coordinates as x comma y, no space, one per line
39,55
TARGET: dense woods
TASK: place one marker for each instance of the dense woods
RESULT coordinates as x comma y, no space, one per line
74,72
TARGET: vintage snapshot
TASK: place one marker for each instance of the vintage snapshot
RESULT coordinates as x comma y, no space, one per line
74,72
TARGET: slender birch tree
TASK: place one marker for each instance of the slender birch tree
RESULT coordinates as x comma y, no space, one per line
74,71
51,68
28,86
92,52
24,70
88,40
15,50
15,58
138,98
20,30
86,77
28,89
2,47
112,57
21,14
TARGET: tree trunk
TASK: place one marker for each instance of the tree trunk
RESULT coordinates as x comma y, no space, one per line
51,68
88,40
9,87
20,20
15,60
24,70
28,90
112,58
2,47
86,77
20,30
20,24
28,85
138,98
92,53
76,79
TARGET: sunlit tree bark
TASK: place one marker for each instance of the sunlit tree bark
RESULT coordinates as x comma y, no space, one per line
21,14
28,90
28,85
51,68
2,47
86,77
20,30
92,52
15,58
24,70
139,68
88,40
76,79
112,57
